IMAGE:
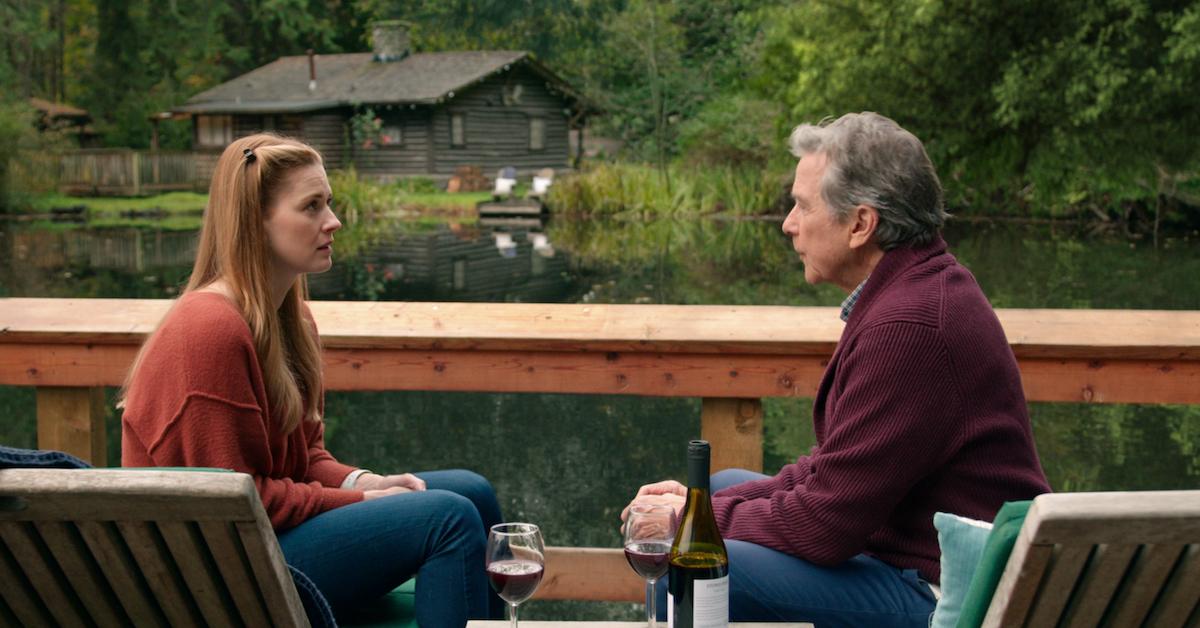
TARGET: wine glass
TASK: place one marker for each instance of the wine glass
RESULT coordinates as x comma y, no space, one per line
516,559
649,531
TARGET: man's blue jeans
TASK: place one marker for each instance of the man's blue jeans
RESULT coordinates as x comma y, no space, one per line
358,553
766,585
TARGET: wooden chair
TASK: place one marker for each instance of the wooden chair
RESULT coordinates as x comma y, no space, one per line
1104,559
116,547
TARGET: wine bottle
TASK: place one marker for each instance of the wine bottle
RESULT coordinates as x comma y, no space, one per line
698,586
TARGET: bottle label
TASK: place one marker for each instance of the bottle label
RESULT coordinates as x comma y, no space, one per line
711,604
711,599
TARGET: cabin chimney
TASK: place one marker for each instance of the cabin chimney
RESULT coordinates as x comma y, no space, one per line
390,39
312,71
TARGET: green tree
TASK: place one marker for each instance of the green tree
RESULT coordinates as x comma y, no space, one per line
28,48
649,86
150,56
27,54
1065,101
550,29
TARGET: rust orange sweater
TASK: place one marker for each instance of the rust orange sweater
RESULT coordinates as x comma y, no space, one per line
199,401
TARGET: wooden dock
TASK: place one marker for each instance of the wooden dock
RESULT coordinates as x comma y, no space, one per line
513,207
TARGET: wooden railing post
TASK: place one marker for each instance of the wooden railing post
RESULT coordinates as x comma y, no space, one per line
136,166
734,427
72,420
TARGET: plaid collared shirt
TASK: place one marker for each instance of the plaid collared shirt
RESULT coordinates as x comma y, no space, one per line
848,304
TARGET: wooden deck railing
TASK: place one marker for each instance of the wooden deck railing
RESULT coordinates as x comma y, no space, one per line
125,172
730,357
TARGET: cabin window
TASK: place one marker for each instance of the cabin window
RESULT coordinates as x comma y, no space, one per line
291,125
460,274
214,131
458,130
537,133
391,135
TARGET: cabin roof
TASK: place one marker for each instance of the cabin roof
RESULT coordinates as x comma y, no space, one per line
57,109
356,78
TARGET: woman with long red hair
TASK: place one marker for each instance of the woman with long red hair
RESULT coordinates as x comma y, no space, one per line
232,379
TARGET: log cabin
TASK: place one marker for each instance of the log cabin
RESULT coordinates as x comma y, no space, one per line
393,113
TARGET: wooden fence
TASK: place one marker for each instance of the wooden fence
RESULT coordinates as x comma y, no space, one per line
125,172
730,357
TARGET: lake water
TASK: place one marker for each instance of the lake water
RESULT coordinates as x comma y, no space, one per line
571,462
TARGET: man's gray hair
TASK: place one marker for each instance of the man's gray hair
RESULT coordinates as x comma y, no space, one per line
872,161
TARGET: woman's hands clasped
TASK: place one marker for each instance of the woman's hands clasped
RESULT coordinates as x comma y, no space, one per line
375,486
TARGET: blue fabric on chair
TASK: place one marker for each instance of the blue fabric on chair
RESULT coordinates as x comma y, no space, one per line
962,541
16,458
315,606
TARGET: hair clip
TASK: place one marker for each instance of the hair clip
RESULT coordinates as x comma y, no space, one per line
249,155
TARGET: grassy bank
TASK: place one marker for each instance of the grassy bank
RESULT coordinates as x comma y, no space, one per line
171,211
169,203
635,190
357,200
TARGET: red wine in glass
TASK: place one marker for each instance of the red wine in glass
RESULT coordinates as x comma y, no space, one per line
649,531
514,563
516,580
649,558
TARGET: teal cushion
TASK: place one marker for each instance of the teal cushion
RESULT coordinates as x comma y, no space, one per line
992,561
961,541
394,610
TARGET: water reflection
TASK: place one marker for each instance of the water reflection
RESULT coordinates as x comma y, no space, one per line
569,462
503,260
93,263
511,261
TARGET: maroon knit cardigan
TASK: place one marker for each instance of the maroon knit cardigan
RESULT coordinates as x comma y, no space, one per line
920,410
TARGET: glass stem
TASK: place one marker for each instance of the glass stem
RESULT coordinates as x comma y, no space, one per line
512,613
651,613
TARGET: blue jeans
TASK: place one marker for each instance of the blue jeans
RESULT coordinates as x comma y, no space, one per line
358,553
766,585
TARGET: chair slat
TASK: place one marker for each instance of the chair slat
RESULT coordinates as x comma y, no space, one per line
1058,583
127,495
122,572
160,571
1139,516
1142,584
1100,580
7,618
81,570
1018,584
201,575
271,572
226,547
1181,595
21,599
26,547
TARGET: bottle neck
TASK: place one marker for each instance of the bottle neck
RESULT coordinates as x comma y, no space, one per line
698,473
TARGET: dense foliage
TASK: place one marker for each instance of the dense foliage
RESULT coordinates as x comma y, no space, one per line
1081,104
1069,101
